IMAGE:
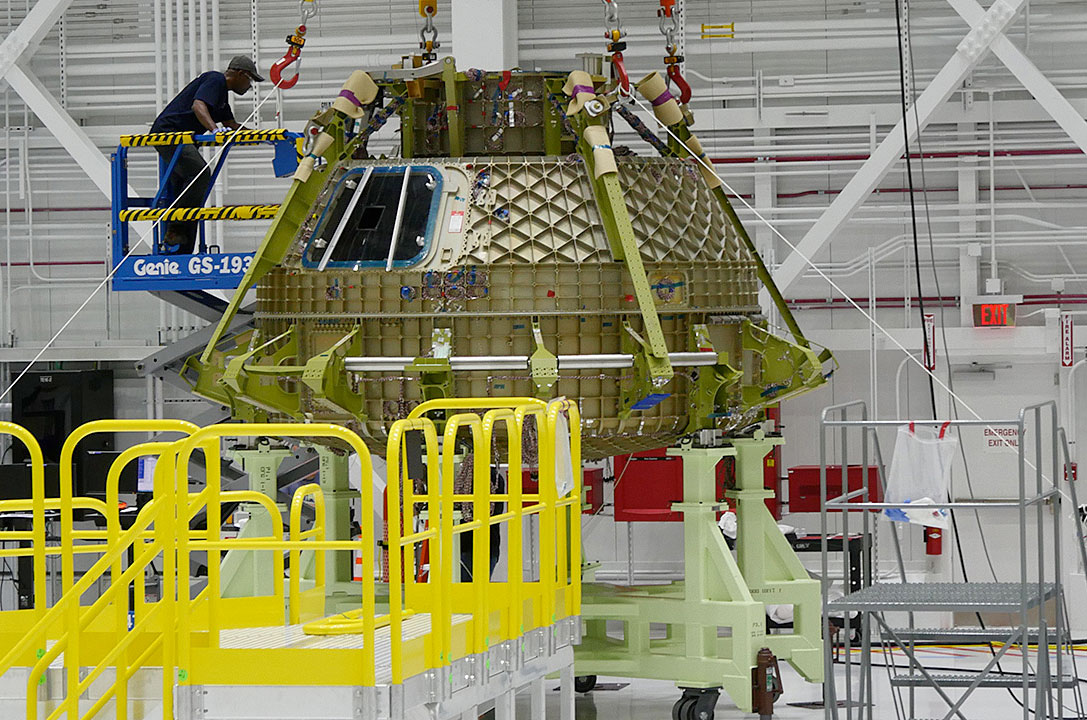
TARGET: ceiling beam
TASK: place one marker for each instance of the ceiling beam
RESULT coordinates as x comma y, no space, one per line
1035,82
968,54
25,38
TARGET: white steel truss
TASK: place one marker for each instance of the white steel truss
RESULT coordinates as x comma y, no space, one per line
986,35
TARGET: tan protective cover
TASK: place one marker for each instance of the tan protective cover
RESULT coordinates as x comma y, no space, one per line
695,146
364,89
652,86
603,157
578,77
320,145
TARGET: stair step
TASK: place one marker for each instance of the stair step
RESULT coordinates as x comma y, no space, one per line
965,679
961,635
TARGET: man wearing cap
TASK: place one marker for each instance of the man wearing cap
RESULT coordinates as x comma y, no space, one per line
201,107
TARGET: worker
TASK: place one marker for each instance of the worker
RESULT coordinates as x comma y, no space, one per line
202,107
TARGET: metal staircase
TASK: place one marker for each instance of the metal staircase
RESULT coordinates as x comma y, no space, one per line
1032,608
435,647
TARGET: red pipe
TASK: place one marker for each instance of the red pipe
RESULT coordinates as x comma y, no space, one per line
60,209
913,156
946,301
55,263
892,191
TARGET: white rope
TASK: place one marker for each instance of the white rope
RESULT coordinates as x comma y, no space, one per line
142,240
834,285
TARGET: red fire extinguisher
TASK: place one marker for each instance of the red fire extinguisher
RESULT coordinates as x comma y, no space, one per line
934,541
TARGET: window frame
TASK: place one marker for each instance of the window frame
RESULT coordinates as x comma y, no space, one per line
359,172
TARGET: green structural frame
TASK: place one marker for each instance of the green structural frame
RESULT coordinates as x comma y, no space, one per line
718,591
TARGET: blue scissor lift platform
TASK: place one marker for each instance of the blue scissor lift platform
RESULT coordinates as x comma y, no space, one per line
158,270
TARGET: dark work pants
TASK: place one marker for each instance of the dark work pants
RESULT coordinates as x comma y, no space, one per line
466,557
190,168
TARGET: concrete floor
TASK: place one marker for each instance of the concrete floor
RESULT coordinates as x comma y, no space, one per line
653,699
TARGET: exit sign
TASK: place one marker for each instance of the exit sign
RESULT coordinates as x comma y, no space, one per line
994,315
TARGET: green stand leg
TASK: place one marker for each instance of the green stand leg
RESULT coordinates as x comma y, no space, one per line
341,593
718,592
248,573
771,568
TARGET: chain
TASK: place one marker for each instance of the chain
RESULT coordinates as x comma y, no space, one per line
669,14
428,36
612,24
669,26
614,33
307,9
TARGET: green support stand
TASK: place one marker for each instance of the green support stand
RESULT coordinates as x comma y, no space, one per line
718,592
773,572
247,573
342,593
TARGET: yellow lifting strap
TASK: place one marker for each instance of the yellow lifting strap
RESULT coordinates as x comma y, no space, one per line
428,8
241,137
229,212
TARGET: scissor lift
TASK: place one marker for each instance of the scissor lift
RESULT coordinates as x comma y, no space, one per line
208,268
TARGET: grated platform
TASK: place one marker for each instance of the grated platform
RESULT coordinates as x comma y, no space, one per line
950,597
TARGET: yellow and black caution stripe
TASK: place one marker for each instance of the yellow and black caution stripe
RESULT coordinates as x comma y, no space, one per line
248,136
242,137
151,139
229,212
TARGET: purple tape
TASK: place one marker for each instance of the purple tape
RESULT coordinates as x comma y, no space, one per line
584,89
350,96
664,97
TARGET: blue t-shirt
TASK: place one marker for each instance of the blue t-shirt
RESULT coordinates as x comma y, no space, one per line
178,116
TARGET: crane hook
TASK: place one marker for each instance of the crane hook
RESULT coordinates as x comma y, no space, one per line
681,83
293,55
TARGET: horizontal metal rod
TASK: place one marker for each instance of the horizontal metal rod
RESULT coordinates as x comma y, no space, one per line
929,506
520,362
899,423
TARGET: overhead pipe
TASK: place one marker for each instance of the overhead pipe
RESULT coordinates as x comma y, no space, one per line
863,157
933,300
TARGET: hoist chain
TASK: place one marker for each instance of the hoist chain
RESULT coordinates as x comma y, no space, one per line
669,13
428,36
307,9
614,33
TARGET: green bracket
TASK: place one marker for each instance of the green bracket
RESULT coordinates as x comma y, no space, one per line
787,369
624,245
327,376
435,377
204,377
243,379
543,364
452,109
708,392
637,386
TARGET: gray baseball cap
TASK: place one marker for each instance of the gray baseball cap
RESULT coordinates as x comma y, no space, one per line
245,64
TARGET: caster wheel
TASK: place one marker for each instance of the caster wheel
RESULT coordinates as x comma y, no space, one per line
683,709
703,708
584,683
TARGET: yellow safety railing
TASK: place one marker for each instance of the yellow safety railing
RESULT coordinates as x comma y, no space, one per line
212,497
180,633
317,532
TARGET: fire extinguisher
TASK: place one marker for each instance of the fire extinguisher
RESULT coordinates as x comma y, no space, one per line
934,541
